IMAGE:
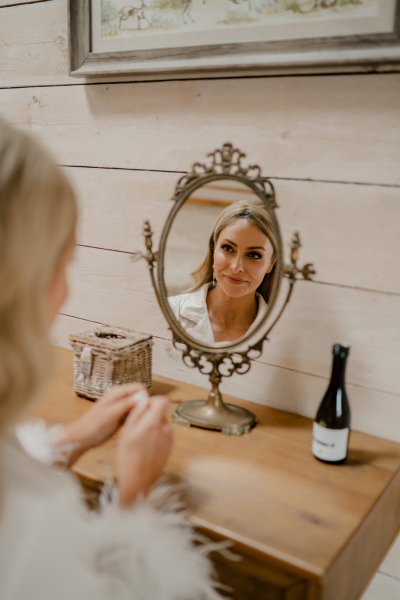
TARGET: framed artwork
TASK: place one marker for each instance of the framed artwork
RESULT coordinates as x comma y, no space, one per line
194,38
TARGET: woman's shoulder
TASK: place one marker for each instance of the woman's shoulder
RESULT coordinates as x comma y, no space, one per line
188,300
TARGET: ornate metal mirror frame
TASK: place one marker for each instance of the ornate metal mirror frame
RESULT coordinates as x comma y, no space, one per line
218,362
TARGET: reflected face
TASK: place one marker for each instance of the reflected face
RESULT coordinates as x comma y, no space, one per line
242,257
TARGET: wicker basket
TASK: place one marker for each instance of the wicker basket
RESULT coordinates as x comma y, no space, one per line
106,356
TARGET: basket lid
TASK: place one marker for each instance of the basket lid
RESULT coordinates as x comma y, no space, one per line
110,338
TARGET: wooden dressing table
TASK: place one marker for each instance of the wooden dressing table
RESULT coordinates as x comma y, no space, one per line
306,530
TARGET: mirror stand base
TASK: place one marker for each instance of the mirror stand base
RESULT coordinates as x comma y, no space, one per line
227,418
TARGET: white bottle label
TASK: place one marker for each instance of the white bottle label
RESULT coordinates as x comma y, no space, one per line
329,444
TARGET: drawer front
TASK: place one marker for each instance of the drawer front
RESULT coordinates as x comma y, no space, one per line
250,579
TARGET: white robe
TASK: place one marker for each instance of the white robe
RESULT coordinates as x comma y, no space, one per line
191,312
53,548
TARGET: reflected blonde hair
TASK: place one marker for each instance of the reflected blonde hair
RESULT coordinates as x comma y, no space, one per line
37,223
255,212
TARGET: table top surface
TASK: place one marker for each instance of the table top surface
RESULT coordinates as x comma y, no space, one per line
263,490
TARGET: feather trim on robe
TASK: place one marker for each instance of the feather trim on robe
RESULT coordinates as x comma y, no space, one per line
37,439
145,552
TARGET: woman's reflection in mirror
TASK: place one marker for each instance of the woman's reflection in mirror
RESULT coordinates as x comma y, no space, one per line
232,284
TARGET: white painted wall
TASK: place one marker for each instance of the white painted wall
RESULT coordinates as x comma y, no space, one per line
331,145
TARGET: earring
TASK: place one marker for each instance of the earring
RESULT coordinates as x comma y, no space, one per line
214,281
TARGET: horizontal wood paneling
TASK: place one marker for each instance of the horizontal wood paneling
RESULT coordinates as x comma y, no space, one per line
308,127
372,412
115,203
108,287
319,315
34,44
7,3
350,232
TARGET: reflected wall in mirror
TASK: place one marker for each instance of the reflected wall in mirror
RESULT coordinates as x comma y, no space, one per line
219,262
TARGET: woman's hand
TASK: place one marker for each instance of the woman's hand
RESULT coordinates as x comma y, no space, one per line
100,421
143,448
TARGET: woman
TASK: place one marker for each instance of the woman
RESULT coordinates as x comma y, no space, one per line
51,547
233,283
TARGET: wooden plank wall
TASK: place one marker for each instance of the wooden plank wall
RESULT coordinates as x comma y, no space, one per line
331,145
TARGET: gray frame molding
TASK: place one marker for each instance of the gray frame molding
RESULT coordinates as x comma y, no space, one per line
373,53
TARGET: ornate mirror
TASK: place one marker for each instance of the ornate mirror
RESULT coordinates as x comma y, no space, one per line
217,275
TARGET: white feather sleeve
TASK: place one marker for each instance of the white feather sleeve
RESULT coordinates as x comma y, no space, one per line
146,552
37,439
153,551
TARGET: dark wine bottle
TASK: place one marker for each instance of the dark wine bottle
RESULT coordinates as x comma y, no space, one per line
331,427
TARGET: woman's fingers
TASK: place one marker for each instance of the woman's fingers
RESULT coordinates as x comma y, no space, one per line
120,399
140,406
152,414
120,392
123,406
160,404
143,448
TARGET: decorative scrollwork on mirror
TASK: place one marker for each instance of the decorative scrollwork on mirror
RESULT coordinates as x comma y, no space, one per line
226,161
220,255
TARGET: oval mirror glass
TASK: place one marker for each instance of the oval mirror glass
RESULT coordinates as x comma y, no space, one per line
221,262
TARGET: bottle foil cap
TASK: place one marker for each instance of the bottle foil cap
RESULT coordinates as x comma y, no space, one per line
341,349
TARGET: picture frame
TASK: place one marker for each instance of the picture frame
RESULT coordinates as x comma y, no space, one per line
154,39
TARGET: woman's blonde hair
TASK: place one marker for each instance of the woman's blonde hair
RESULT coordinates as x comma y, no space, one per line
255,212
37,223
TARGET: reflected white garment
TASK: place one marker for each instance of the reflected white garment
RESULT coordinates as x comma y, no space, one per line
53,548
191,312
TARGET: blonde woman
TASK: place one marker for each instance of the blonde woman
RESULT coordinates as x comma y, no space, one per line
51,547
231,287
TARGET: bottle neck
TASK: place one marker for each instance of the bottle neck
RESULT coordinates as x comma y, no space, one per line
338,371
